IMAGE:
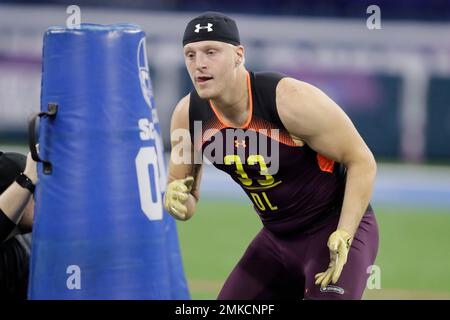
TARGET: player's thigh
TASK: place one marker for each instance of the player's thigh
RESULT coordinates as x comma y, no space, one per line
258,275
353,279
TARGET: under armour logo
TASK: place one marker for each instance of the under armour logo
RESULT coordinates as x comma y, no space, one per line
208,27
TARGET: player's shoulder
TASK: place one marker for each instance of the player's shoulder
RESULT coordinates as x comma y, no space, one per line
298,103
182,107
180,114
294,90
285,87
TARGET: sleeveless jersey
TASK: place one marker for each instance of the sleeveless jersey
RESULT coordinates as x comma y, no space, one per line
291,186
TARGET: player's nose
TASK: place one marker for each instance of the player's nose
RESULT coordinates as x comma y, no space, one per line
200,62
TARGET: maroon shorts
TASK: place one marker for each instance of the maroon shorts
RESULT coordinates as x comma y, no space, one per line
276,267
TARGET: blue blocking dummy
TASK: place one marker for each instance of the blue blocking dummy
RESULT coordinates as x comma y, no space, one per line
179,288
100,231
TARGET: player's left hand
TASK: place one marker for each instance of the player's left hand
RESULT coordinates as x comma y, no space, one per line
339,244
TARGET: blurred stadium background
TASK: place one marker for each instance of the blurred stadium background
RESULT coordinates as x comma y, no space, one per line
394,83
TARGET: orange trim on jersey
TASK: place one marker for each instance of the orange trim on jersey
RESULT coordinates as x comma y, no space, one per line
262,126
249,118
325,164
258,125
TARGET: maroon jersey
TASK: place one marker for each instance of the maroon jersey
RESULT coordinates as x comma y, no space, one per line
291,186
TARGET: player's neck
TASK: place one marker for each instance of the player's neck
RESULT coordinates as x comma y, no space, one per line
233,103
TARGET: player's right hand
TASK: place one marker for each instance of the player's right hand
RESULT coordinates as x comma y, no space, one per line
177,193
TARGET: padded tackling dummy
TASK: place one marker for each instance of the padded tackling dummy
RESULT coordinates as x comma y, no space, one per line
179,288
100,231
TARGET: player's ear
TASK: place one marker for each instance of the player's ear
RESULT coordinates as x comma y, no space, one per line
240,55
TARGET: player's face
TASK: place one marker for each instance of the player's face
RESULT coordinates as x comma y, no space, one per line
211,66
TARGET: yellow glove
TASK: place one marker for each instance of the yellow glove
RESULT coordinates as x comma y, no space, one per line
339,244
176,196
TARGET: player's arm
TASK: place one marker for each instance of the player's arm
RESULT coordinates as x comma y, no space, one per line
13,202
26,223
310,115
182,193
